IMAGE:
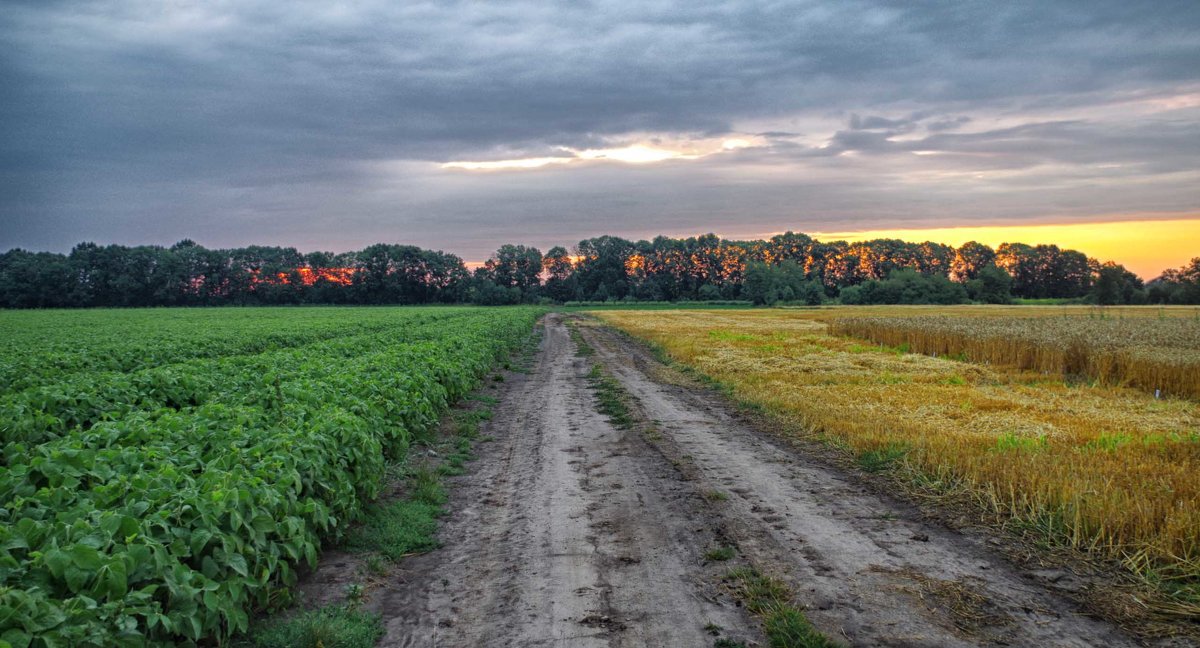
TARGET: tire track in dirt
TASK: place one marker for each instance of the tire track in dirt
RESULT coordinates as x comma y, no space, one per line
565,532
869,569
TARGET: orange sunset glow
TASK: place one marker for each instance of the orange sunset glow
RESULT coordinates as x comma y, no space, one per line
1146,247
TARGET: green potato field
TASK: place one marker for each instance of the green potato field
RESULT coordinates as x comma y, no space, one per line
166,472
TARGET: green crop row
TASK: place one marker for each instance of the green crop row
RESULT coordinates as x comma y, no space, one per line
170,526
81,400
132,340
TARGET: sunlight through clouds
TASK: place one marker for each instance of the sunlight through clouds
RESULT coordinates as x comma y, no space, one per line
632,154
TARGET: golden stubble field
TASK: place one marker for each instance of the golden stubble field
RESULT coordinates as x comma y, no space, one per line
1103,467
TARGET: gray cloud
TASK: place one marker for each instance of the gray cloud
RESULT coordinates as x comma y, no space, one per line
320,125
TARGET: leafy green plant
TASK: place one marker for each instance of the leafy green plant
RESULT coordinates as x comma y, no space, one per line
169,504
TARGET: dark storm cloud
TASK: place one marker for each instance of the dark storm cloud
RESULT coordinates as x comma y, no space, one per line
319,124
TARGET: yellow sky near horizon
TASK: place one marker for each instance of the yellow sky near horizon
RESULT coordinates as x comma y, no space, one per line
1146,247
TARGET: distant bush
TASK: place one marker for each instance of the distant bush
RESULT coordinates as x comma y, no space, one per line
906,286
992,285
765,285
1180,286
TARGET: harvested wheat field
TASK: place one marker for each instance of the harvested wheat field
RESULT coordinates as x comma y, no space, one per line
1060,448
1141,348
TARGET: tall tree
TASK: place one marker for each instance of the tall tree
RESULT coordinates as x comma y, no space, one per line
991,285
515,266
1116,285
601,267
969,259
1020,261
561,285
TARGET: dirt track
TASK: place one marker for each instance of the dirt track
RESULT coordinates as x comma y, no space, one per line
570,532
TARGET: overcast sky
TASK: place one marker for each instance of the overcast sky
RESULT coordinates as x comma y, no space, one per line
327,125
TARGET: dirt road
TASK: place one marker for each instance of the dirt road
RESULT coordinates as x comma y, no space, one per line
568,531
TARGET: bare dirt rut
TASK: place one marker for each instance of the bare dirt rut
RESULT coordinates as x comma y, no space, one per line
570,532
567,532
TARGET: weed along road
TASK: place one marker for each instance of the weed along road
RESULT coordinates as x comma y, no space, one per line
615,505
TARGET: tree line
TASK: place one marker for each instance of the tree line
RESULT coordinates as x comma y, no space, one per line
790,268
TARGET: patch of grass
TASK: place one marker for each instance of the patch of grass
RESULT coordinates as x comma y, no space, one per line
403,527
376,565
582,348
787,627
881,348
716,496
455,463
729,336
1011,442
336,626
466,422
771,600
883,458
396,529
720,554
425,487
611,396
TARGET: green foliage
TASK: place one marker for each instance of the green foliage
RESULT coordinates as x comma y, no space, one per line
906,286
1116,285
794,269
882,458
514,266
396,529
770,599
720,554
1177,285
1045,270
1011,442
329,627
166,504
406,526
787,627
991,286
611,397
767,284
485,292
